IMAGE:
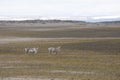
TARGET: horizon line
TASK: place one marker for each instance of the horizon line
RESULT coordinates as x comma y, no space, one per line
73,18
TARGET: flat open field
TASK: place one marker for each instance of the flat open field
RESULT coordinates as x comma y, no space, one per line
88,51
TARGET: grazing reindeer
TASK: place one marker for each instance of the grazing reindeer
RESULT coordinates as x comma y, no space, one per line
54,49
31,50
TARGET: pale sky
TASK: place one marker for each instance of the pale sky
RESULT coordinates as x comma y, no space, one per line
58,8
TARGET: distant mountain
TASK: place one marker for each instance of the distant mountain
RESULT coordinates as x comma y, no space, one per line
41,21
105,19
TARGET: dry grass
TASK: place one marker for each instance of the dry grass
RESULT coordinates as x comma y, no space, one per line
58,30
76,60
80,58
81,33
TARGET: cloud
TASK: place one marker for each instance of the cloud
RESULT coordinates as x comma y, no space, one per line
60,7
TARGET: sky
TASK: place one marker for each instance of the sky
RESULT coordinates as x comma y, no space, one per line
60,8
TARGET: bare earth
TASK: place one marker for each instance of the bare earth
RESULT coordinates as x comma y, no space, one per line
20,39
28,78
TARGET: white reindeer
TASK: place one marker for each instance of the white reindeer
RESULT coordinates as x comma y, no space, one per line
31,50
54,49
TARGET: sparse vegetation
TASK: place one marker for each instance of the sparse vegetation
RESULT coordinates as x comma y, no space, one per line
86,58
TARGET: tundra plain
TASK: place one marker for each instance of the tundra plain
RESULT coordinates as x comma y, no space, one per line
89,51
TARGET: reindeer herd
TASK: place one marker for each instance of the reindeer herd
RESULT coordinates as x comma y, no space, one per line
50,50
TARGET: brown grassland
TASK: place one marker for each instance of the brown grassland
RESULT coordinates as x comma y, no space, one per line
89,51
